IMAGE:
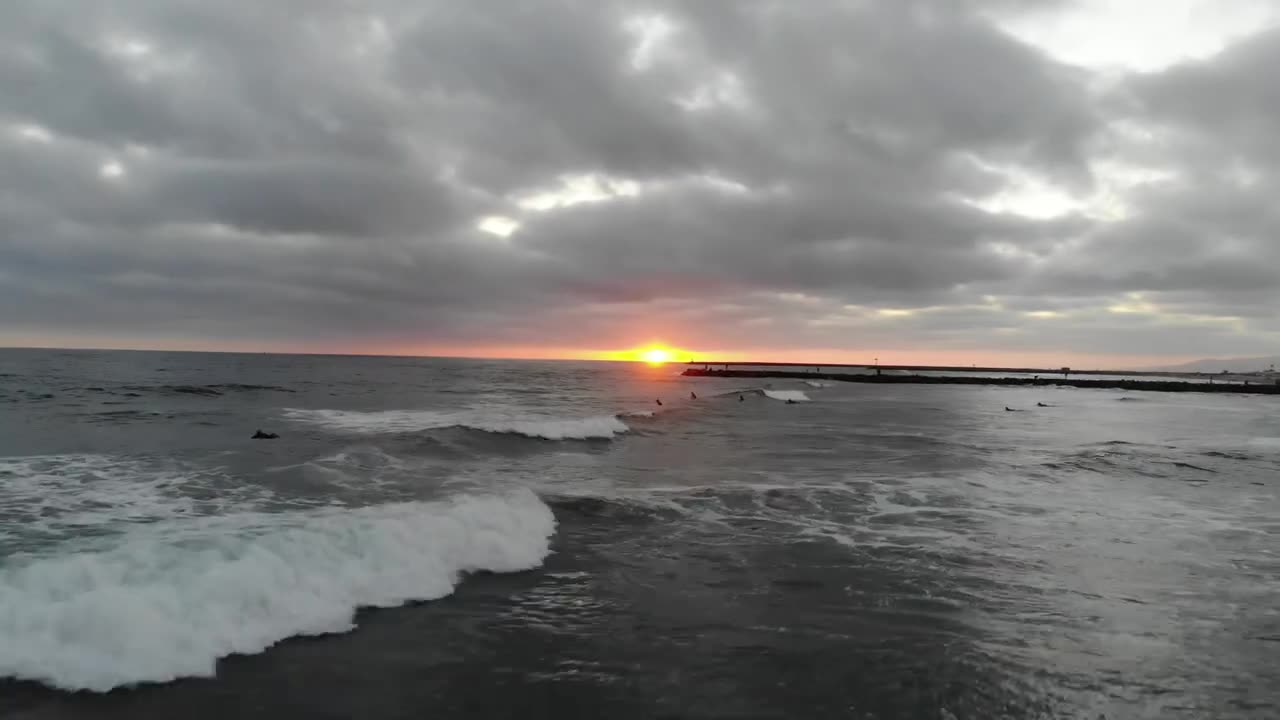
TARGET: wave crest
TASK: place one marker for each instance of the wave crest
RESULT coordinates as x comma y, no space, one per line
793,395
534,426
160,606
601,426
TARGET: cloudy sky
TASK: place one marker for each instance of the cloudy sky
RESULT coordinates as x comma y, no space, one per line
916,180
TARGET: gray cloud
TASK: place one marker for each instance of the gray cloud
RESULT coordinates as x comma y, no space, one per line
768,174
1202,241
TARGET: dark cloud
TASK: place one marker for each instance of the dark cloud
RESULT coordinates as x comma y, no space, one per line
761,174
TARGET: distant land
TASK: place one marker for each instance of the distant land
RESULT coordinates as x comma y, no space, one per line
1231,365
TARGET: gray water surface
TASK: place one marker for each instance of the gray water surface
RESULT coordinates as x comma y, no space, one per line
870,552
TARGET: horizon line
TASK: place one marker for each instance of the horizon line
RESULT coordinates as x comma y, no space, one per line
316,354
610,356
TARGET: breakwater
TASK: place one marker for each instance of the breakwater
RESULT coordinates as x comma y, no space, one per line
1163,385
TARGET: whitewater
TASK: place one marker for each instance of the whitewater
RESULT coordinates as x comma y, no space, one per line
169,600
792,395
500,420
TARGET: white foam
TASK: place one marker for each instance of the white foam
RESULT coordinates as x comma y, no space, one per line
495,421
817,383
167,602
367,457
56,494
372,423
601,426
794,395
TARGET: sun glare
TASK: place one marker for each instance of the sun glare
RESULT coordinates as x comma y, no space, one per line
656,355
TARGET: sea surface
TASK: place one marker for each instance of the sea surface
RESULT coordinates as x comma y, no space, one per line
434,538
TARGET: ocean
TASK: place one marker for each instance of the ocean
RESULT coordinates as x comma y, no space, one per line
501,539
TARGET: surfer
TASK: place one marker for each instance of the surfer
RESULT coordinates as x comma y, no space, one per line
739,398
791,402
693,396
259,435
1040,404
659,401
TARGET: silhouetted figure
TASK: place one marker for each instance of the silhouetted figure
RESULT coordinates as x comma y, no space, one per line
1009,409
259,435
659,401
1040,404
740,398
693,396
791,402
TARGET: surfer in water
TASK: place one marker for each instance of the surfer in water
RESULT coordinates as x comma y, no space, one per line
659,401
693,396
740,399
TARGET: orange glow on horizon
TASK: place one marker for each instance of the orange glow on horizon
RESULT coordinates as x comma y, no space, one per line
654,354
817,356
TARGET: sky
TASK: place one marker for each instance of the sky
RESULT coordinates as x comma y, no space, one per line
1059,182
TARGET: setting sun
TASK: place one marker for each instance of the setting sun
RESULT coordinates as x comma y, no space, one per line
656,355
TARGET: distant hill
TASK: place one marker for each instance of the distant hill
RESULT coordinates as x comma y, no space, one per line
1232,365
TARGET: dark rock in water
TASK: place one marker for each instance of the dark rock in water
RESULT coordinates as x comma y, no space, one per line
193,390
259,435
248,388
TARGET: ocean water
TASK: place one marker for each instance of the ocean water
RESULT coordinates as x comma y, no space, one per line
456,538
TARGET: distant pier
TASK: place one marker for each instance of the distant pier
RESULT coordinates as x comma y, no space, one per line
972,375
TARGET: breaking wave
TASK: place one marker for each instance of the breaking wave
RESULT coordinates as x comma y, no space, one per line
793,395
169,600
818,383
398,421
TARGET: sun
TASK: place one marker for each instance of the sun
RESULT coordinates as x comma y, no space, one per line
656,355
